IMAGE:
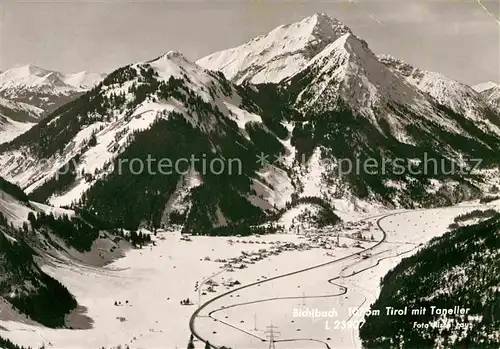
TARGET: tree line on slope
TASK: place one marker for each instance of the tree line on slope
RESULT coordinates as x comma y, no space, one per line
13,190
476,214
7,344
147,194
74,231
460,268
26,286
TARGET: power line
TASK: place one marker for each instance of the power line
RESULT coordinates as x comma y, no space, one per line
272,334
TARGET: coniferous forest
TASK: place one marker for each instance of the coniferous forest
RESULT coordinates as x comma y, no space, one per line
460,268
7,344
26,286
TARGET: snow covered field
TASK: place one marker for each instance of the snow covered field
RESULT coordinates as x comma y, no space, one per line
280,275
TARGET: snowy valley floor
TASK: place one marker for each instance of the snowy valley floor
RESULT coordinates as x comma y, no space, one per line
283,274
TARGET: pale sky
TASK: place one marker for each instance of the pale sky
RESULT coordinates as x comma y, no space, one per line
460,39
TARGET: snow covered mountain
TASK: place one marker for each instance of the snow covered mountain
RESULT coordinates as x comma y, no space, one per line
42,88
339,104
485,86
162,102
16,118
348,70
278,54
288,49
355,108
490,91
28,93
460,98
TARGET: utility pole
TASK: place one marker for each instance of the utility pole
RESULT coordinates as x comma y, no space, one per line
255,321
303,298
272,334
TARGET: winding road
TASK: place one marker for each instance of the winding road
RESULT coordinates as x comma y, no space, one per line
343,289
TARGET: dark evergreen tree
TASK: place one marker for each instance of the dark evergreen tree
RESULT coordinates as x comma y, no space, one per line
92,140
191,344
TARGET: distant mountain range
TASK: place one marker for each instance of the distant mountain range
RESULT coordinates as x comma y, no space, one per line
457,96
490,91
42,88
28,93
311,94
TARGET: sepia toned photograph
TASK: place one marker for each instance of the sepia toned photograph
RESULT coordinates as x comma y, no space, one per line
249,174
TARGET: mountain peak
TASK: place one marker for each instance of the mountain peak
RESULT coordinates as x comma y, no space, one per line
490,92
24,71
486,86
33,70
348,69
44,88
32,76
328,29
175,56
280,53
29,76
83,80
321,15
318,18
171,56
328,25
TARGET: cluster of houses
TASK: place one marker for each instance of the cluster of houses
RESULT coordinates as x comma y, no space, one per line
186,237
323,238
211,285
246,242
242,261
312,240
